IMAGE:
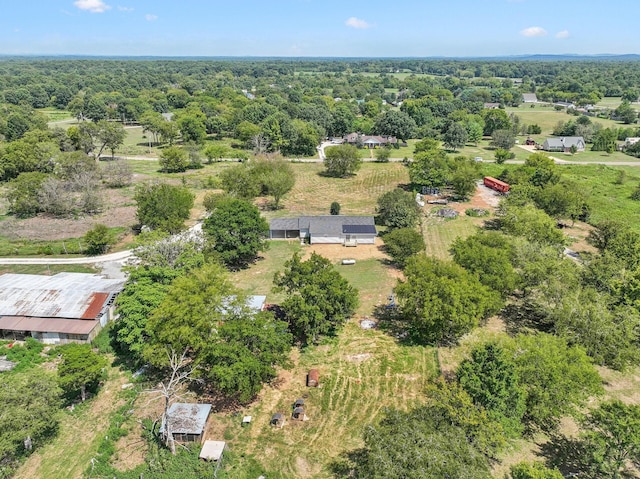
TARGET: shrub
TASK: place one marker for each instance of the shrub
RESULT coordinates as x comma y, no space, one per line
335,208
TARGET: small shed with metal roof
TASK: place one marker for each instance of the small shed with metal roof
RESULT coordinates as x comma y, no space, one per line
187,421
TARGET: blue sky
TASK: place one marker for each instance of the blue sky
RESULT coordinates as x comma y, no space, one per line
393,28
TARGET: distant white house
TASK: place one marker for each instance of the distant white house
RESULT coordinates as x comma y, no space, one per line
632,140
564,144
529,98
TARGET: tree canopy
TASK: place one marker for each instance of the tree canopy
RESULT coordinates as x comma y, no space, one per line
163,206
319,300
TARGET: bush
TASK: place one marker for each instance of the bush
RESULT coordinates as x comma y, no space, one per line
476,212
335,208
98,240
636,194
403,243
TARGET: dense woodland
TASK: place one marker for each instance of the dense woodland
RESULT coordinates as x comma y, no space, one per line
188,325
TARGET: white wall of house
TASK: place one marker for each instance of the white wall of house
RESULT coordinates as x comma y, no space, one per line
326,240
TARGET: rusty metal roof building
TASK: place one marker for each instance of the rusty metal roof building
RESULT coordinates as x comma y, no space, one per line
64,295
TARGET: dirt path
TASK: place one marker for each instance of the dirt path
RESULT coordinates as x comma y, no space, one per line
70,453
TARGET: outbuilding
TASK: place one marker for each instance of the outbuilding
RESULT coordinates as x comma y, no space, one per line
298,414
277,420
313,378
213,450
187,422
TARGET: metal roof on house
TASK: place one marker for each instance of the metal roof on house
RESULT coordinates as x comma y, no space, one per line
64,295
565,142
327,224
187,418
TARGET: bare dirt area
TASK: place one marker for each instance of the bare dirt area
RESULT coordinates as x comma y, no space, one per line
337,252
483,197
577,234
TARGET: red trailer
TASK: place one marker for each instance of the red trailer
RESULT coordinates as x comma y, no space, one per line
495,184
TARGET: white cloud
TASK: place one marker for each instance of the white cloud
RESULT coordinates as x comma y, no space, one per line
93,6
563,34
533,32
354,22
125,9
149,17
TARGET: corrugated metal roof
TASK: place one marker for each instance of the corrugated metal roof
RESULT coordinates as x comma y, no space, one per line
48,325
187,418
212,450
64,295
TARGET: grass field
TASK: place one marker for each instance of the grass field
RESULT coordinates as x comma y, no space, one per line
439,234
53,114
313,192
46,269
614,102
81,431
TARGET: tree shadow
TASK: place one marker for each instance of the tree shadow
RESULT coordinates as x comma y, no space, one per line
569,455
523,317
326,174
343,466
391,323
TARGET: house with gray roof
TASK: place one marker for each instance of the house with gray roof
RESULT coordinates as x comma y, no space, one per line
330,229
58,309
564,144
529,98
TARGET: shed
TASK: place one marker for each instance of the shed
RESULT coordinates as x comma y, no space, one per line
313,378
277,420
213,450
187,421
298,403
298,413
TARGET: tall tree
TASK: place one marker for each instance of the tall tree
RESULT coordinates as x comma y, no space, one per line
491,379
342,160
319,300
237,232
455,136
395,123
397,209
441,301
80,369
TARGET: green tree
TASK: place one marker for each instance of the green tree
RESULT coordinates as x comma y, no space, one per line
163,206
240,181
215,152
504,139
395,123
455,136
192,128
235,348
30,413
491,379
605,140
565,200
612,437
532,223
626,113
501,155
342,160
430,168
403,243
110,135
382,155
397,209
173,160
276,177
237,232
319,300
533,470
490,256
495,119
396,448
441,301
474,131
558,378
98,239
334,209
22,193
79,370
463,177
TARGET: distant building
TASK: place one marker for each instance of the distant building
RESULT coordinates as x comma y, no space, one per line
565,104
64,308
369,141
632,140
491,106
564,144
529,98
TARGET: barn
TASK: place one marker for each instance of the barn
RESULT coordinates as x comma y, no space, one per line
330,229
58,309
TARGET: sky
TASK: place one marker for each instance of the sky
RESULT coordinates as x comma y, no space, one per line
318,28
